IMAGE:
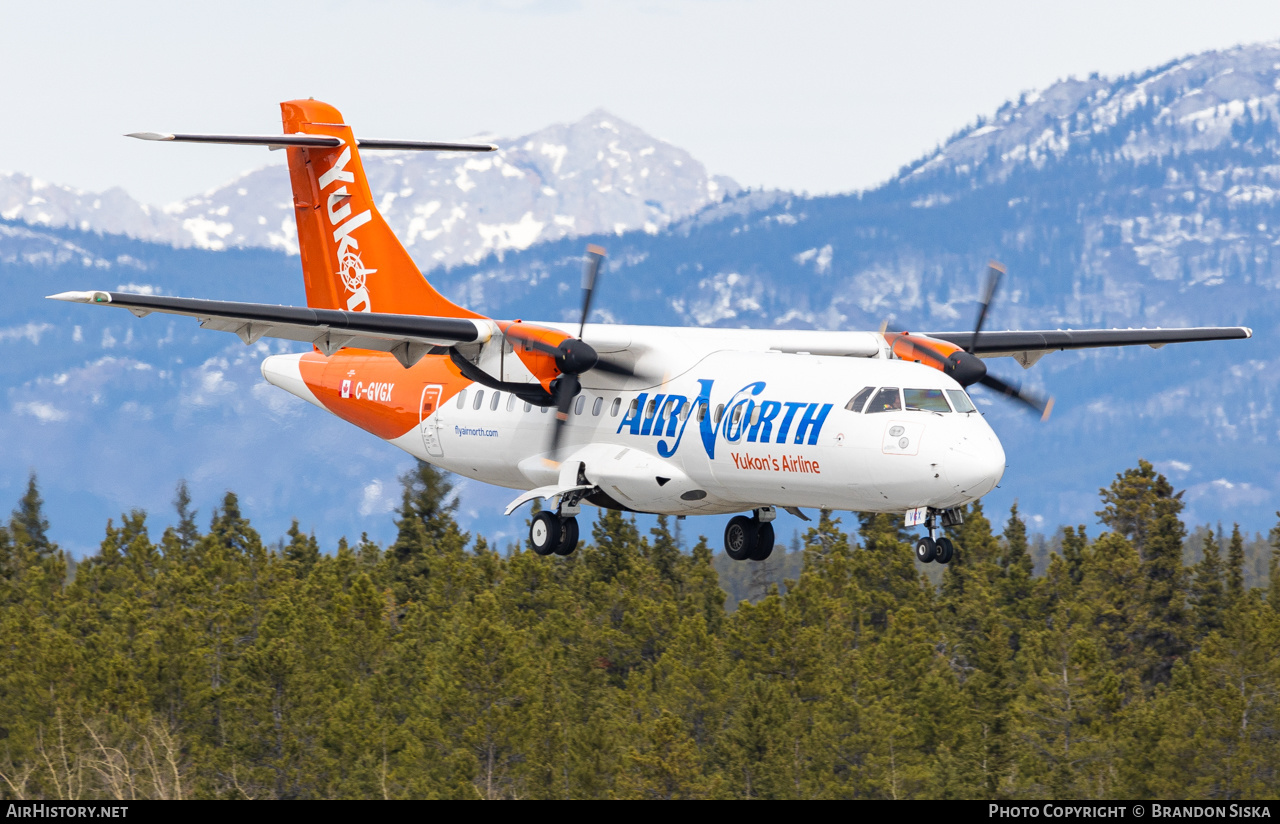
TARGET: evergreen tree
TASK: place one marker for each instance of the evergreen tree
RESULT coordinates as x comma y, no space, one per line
186,530
664,552
1074,542
29,526
1015,561
1210,599
1135,502
302,550
1235,566
428,542
1142,507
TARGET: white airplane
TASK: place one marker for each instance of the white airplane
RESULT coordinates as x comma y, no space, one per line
678,421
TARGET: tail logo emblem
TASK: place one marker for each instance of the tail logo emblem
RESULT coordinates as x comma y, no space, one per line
351,270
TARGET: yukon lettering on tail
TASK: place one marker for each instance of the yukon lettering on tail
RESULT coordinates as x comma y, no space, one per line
338,207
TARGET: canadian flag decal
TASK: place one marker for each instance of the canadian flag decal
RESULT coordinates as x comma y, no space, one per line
346,389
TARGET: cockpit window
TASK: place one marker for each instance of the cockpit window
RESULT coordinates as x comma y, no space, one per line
859,400
886,400
927,400
960,400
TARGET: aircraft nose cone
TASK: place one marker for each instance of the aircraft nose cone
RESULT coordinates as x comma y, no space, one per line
976,464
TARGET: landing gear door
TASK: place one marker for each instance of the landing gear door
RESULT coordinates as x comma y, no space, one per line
429,422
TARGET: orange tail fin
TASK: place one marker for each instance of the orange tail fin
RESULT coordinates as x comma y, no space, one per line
350,257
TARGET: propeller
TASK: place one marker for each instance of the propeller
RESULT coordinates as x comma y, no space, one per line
573,356
964,365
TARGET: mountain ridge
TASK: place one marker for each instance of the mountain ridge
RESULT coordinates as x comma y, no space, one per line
597,174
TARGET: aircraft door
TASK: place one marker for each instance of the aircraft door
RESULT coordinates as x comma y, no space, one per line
429,425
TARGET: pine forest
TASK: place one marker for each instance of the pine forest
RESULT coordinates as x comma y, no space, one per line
1139,662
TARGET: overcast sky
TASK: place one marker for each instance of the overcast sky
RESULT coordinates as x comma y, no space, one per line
810,96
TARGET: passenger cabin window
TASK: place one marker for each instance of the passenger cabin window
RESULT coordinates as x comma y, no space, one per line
719,414
886,400
648,408
635,404
960,400
684,412
702,411
462,399
493,404
859,400
595,407
614,407
511,402
527,406
926,400
577,407
479,399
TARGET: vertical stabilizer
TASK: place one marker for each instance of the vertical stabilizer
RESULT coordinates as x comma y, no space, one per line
350,258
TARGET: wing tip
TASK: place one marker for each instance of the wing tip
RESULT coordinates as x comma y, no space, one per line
151,135
81,297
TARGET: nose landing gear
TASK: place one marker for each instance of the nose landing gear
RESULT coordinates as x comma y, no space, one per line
931,548
750,538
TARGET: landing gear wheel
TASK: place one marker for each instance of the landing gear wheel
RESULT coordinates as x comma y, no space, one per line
926,549
568,536
764,542
544,532
945,550
740,538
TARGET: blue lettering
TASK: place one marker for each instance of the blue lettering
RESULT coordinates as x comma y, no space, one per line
674,404
661,418
664,450
812,423
763,428
785,426
631,420
657,413
706,428
739,416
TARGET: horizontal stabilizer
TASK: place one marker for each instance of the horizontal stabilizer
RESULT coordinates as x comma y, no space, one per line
312,141
408,337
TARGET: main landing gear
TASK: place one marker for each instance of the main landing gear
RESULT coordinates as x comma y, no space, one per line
556,532
750,538
931,548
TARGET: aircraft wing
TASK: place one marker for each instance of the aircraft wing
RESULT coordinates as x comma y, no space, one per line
408,337
1029,347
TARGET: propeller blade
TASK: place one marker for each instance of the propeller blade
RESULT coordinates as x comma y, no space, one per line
595,256
994,272
564,390
1009,390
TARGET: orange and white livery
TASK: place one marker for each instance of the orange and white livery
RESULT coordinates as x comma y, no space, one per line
681,421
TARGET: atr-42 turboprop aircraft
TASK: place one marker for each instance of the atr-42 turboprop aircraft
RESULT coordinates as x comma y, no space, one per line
681,421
